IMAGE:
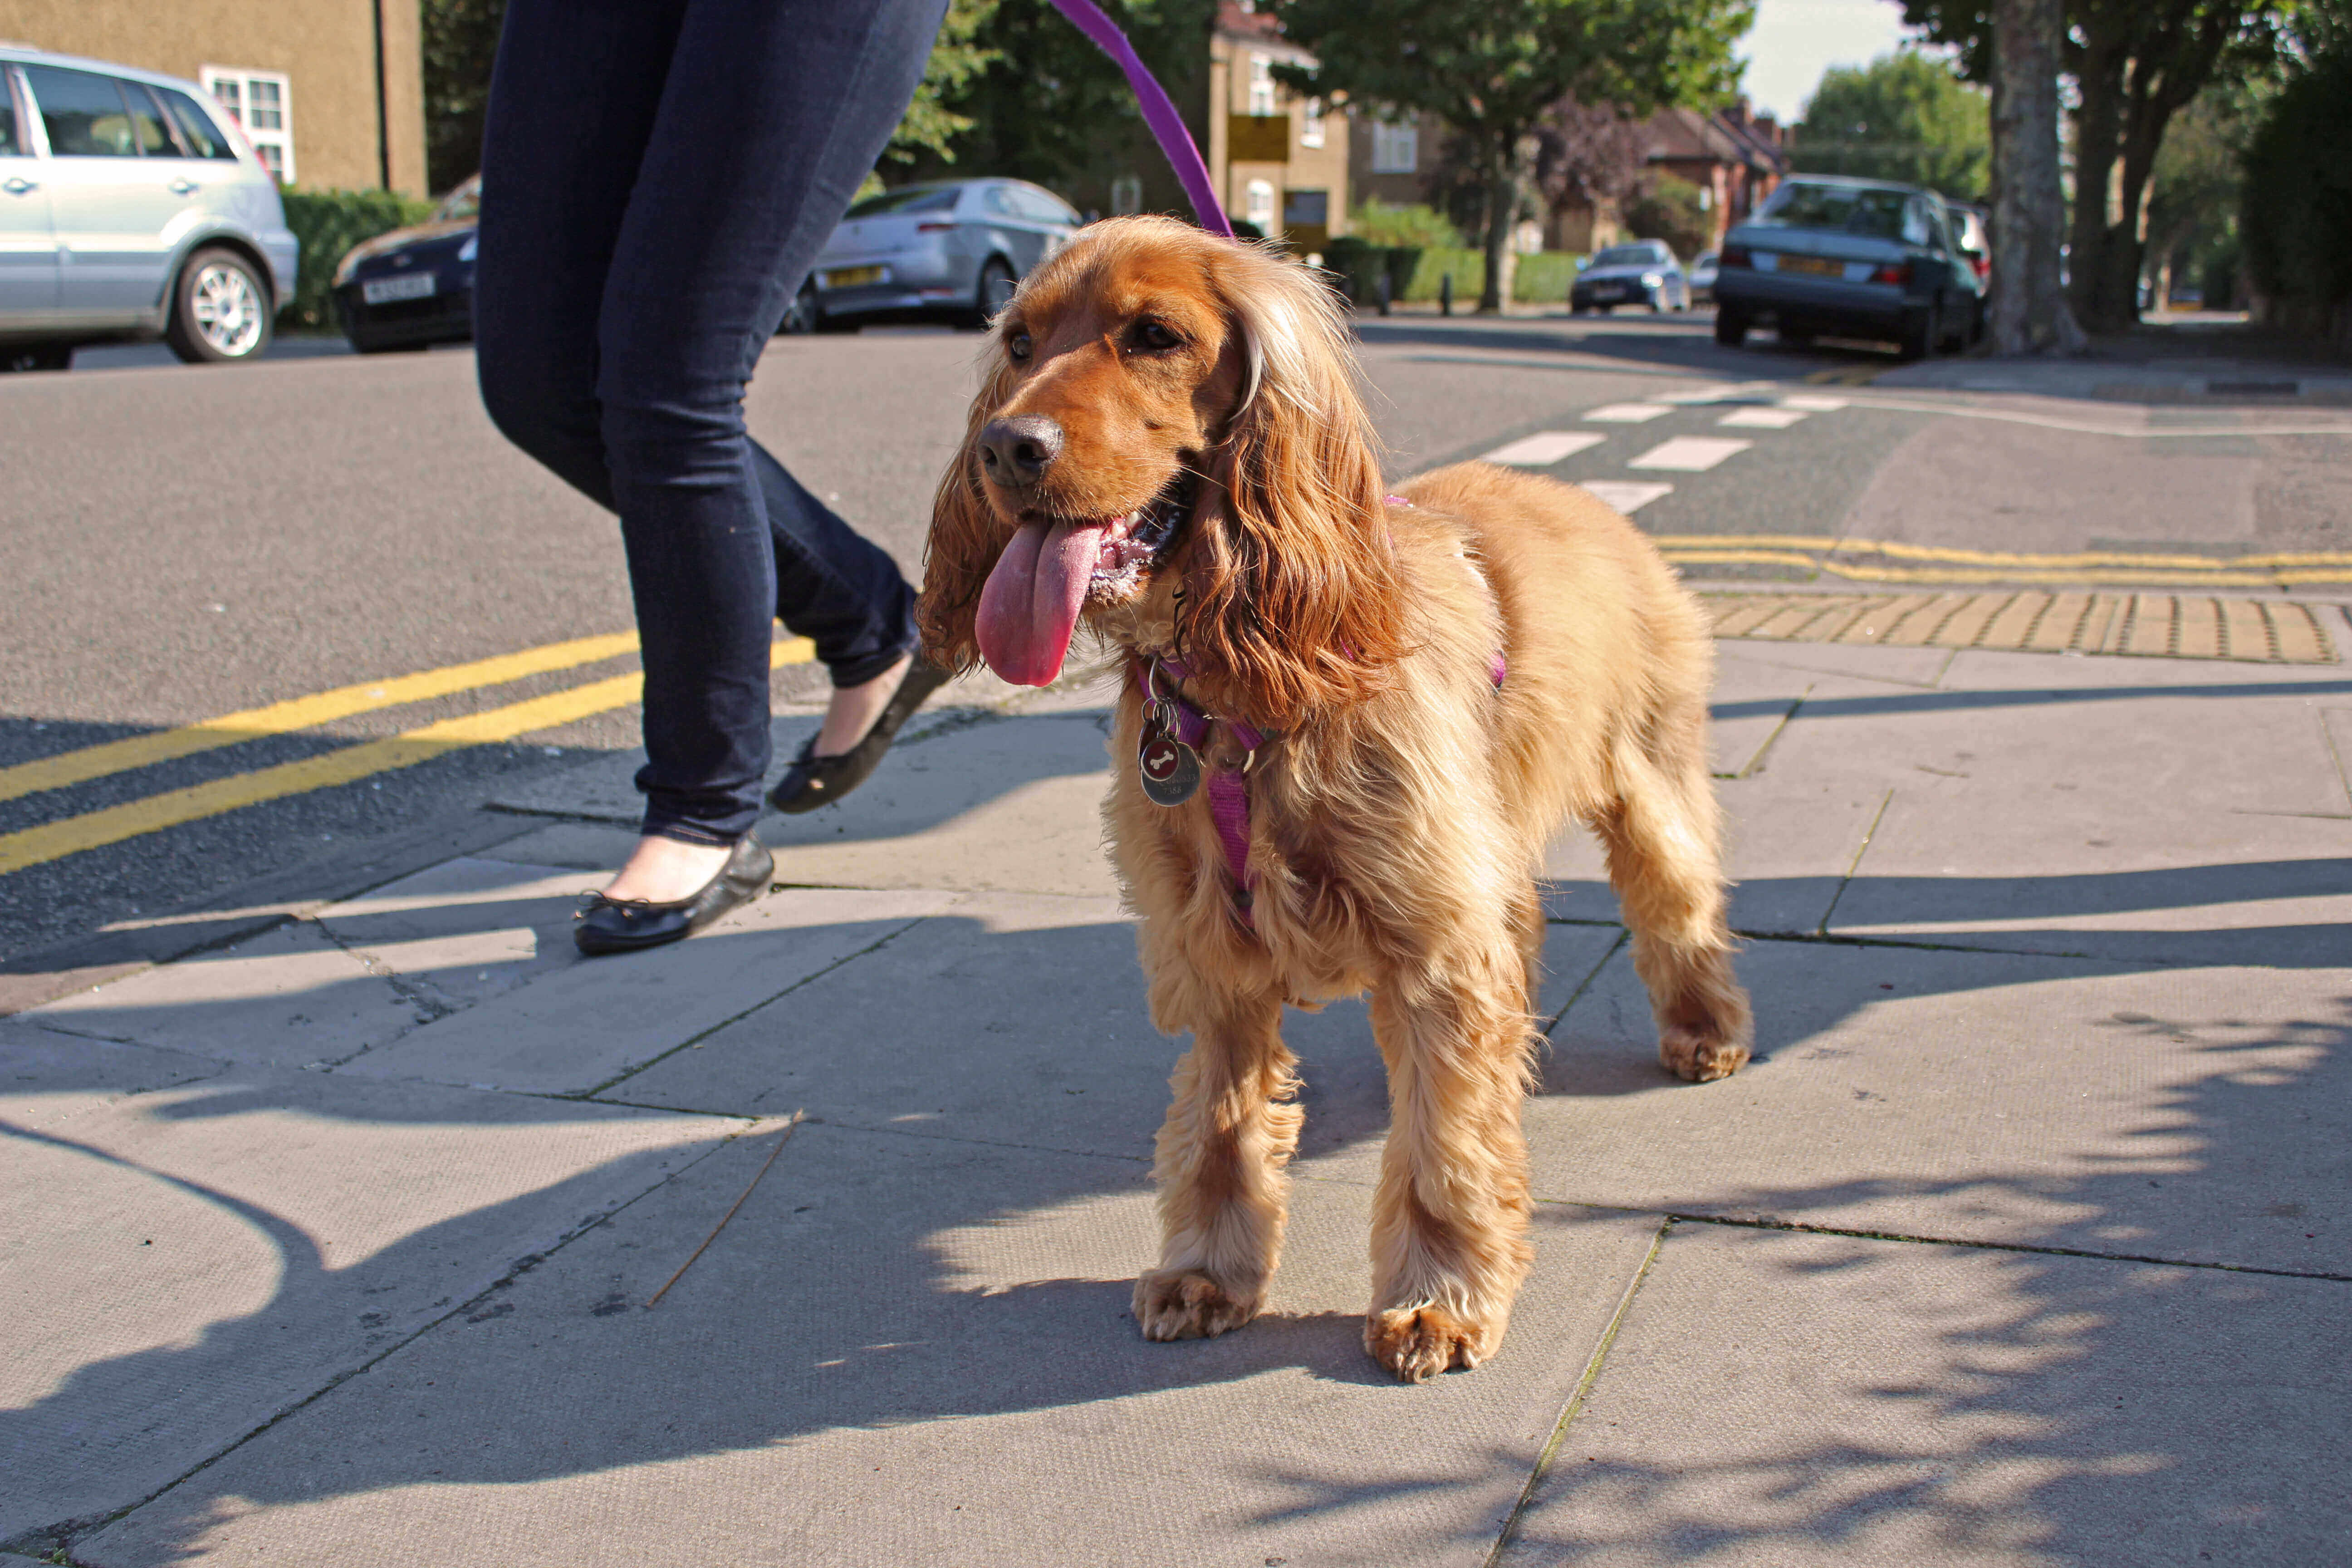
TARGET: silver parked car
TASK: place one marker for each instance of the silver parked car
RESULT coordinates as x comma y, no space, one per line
957,249
130,207
1642,273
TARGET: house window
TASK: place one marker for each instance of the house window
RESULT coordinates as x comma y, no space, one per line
1257,204
262,103
1310,128
1261,84
1306,209
1396,149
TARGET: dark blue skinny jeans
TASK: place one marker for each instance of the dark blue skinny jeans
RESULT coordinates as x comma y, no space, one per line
659,176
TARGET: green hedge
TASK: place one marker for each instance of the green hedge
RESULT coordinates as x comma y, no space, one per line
327,224
1415,275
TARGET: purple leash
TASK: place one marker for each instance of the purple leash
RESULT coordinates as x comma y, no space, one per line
1158,113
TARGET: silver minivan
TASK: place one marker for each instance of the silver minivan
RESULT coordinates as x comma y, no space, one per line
131,207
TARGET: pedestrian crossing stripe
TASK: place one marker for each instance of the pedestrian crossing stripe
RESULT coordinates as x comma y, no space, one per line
349,764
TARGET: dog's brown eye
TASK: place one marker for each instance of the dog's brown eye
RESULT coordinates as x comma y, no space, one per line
1152,337
1016,347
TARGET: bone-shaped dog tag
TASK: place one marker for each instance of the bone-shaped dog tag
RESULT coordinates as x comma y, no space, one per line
1171,769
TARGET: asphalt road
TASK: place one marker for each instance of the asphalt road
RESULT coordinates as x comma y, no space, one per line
178,544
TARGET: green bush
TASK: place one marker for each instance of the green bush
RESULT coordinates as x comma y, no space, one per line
327,224
1416,274
2297,217
1543,278
1421,226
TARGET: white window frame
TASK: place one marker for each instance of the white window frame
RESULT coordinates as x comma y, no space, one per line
1261,85
1311,125
1258,205
1396,148
265,142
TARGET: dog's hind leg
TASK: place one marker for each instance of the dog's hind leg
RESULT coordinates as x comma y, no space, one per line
1229,1131
1450,1217
1663,836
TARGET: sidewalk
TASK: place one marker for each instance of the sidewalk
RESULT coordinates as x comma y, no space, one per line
2024,1241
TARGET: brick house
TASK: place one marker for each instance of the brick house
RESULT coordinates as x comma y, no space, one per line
1277,161
331,97
1734,157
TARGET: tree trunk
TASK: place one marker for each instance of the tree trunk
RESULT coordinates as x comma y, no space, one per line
2092,263
2029,306
1502,202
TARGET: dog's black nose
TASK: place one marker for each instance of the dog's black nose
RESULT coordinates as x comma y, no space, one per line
1018,451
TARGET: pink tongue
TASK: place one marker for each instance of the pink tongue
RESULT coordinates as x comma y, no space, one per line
1030,608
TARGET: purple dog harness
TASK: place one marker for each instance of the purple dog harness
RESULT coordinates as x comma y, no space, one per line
1168,759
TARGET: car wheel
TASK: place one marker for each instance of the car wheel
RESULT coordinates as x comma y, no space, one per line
1920,331
1730,327
804,315
220,309
994,291
38,356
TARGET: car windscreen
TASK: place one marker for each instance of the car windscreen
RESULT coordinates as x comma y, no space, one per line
465,201
1627,256
1849,209
913,199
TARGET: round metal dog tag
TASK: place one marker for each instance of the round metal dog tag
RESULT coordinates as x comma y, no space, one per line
1171,769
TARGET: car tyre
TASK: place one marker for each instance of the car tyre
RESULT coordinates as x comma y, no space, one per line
804,315
993,291
1730,326
1920,332
220,309
38,356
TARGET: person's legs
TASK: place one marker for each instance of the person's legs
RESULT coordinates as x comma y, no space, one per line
771,112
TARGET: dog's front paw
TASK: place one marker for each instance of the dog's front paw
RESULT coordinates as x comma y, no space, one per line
1418,1342
1186,1304
1700,1057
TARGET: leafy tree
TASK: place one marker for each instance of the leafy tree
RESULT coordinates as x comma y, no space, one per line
1669,209
460,43
1492,69
2192,202
2297,212
1594,154
1041,102
1902,117
2136,64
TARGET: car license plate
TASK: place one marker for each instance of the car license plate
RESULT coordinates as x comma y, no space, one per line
852,276
385,290
1819,266
1607,290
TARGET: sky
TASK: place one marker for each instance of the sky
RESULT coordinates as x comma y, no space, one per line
1794,41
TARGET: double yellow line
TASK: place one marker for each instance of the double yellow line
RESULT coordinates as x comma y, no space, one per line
90,830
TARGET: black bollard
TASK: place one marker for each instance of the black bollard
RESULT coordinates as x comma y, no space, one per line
1446,295
1387,287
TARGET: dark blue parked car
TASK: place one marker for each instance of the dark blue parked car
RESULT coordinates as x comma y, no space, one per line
415,287
1828,257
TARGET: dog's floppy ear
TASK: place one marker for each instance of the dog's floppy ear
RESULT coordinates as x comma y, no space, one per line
1292,595
965,539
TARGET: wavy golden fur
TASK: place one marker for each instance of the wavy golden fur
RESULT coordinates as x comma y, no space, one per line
1398,819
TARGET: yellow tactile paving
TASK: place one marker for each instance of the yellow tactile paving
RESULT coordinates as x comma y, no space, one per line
1894,560
2161,626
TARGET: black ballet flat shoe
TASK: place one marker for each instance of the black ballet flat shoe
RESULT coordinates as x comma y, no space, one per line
813,781
624,925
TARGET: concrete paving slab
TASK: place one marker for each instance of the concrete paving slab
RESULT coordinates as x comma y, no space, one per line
948,1032
590,1021
1786,1399
205,1257
905,1350
606,791
2188,1115
49,1078
587,847
1978,670
1010,805
471,929
1900,666
2036,826
291,995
